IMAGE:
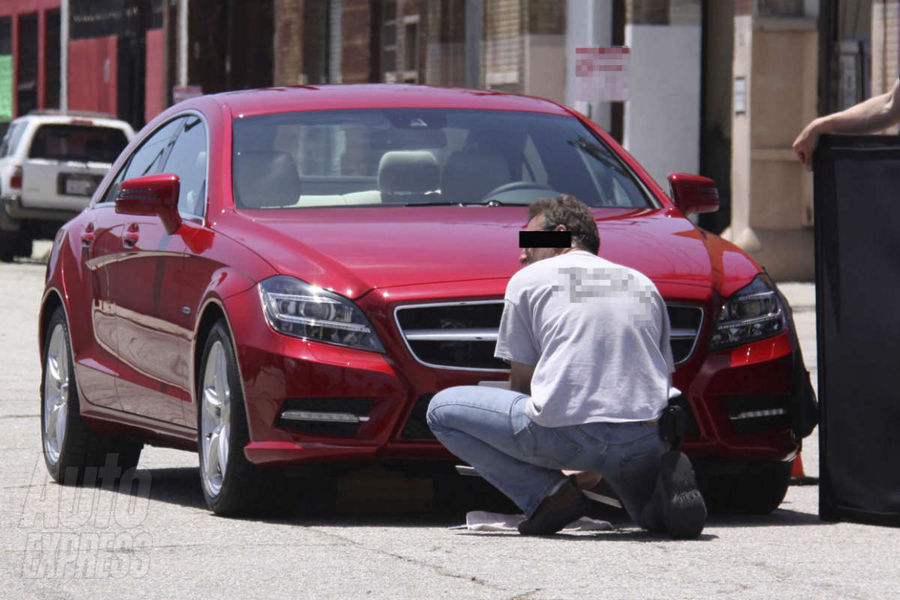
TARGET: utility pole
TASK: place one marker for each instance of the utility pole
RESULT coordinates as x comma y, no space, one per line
182,43
474,33
64,56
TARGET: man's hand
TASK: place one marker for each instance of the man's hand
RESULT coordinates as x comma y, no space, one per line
875,114
805,144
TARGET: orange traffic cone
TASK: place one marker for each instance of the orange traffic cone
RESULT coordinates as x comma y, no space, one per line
797,469
798,477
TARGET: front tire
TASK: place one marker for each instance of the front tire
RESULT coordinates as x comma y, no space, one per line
231,484
756,491
73,452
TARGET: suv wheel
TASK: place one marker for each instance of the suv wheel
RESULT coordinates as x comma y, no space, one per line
9,245
72,450
24,245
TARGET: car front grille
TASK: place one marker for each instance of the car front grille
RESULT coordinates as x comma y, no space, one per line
462,335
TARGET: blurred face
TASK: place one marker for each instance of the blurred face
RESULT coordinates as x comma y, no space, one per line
532,255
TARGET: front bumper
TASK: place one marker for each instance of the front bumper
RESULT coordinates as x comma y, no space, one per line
736,397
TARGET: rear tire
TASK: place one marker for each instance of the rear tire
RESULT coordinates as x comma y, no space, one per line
24,245
231,484
757,491
9,245
73,452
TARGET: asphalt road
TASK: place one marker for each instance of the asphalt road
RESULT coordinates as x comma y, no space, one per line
161,542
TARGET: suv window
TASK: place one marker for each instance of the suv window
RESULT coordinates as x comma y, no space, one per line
12,137
147,159
77,142
188,161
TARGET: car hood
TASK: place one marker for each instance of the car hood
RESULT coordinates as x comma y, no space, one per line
354,250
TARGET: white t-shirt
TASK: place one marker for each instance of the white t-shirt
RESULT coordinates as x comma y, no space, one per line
598,335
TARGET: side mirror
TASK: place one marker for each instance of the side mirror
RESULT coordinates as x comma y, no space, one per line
694,194
151,195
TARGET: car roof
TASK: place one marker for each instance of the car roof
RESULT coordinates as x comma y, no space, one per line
361,96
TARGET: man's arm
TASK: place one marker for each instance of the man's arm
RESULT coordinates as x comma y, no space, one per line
520,377
874,114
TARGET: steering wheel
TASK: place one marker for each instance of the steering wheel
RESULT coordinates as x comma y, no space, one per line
513,186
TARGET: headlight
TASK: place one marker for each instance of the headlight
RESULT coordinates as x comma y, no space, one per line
296,308
752,313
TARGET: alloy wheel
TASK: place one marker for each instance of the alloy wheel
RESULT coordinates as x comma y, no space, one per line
216,418
56,393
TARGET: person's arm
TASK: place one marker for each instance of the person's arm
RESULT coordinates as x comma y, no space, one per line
520,377
874,114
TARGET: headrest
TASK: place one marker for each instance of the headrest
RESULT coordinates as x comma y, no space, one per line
408,172
470,174
265,179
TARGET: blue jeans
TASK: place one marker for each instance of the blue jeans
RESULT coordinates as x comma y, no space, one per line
487,427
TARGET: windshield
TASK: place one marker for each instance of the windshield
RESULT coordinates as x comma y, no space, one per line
424,156
81,143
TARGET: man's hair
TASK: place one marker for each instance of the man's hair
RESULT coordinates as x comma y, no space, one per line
571,212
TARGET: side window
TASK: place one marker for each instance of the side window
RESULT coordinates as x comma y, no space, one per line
11,139
147,159
188,161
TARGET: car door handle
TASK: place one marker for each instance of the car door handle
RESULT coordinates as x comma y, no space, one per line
131,235
87,236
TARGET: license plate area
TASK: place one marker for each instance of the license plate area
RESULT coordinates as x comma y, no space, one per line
76,184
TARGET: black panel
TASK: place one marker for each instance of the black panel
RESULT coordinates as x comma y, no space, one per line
857,218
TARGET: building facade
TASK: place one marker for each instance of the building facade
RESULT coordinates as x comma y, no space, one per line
717,87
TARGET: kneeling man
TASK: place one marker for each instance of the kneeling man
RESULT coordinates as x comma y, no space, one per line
588,346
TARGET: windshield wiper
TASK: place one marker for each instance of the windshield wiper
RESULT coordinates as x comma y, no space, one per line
491,202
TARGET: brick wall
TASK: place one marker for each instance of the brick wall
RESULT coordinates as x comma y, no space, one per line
445,43
546,16
356,27
885,44
502,49
288,51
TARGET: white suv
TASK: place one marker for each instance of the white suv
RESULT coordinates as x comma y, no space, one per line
50,165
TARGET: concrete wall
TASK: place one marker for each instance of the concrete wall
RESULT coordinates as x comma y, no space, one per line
545,74
777,58
662,118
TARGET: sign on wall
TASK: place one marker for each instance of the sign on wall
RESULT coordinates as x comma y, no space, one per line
6,88
601,74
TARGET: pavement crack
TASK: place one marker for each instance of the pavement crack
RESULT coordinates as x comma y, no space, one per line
526,595
438,570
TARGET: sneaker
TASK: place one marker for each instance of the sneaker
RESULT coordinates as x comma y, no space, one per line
556,511
684,511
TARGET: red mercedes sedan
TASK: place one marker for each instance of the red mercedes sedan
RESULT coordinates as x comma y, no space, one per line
284,277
